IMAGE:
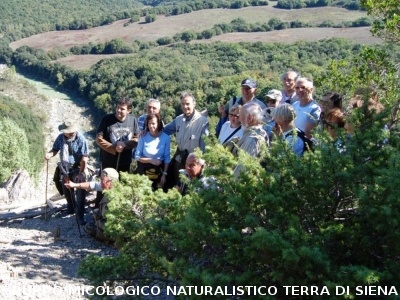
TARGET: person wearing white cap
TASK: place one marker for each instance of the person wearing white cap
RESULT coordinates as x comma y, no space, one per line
249,88
74,152
95,226
108,175
272,100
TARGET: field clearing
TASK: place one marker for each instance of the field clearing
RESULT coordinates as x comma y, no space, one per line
168,26
360,35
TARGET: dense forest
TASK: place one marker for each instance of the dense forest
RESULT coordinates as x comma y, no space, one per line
18,20
210,71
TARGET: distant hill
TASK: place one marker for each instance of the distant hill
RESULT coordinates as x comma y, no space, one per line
28,15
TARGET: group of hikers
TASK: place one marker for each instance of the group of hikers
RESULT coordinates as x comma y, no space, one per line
245,124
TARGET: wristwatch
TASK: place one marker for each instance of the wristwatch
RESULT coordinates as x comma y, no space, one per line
164,173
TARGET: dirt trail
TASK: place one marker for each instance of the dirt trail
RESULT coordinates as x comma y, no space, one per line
34,265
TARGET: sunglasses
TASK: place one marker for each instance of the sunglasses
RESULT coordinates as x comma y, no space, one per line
269,100
234,116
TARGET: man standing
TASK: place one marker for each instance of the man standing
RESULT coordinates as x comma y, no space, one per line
289,84
254,136
117,135
152,107
74,154
249,88
307,110
189,129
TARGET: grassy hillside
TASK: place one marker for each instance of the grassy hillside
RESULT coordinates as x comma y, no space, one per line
196,21
16,14
360,35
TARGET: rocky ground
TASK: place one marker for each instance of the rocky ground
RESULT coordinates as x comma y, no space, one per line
34,264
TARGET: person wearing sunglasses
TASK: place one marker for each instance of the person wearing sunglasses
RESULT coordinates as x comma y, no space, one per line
272,100
248,89
232,128
307,110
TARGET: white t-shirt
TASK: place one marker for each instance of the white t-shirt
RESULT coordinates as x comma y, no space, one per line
306,113
227,130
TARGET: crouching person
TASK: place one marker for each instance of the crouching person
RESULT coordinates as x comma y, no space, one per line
194,167
95,227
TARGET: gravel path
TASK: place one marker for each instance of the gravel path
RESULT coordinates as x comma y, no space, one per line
34,265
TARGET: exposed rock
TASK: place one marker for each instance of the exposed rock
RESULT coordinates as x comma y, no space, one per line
18,188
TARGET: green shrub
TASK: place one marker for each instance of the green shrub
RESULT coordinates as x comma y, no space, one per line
14,149
319,220
25,120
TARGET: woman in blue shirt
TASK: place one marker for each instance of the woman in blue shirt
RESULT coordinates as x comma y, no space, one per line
153,151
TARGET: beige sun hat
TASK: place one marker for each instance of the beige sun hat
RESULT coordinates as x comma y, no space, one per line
274,94
69,126
111,173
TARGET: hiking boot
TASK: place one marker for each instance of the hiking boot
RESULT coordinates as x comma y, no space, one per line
90,229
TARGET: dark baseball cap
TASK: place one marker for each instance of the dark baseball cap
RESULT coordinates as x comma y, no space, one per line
250,83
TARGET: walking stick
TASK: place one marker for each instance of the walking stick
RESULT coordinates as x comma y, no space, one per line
72,193
119,154
45,195
73,199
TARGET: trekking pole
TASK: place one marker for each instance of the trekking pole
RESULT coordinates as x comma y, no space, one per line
72,193
119,154
73,197
45,194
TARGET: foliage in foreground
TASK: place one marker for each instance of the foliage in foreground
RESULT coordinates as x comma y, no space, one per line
320,220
